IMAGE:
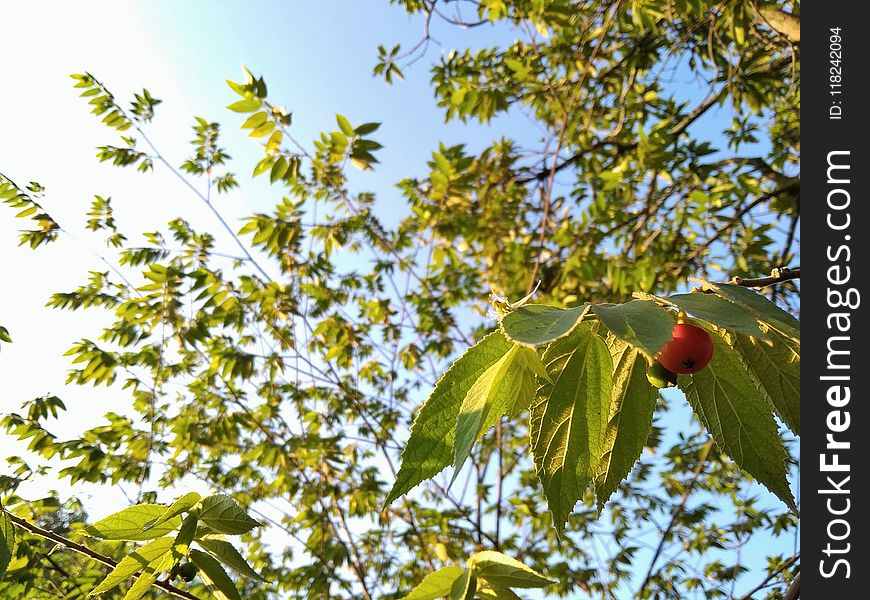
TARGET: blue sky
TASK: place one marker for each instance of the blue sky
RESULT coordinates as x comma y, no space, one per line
316,57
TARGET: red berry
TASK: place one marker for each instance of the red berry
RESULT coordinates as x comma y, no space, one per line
689,350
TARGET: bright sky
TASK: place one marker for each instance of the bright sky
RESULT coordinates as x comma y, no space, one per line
317,59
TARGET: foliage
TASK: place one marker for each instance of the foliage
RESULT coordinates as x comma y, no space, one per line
281,364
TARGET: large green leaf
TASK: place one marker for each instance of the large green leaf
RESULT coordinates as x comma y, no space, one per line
631,414
181,505
437,584
719,312
778,368
223,514
498,569
130,524
7,540
761,307
430,447
569,417
727,399
537,324
214,576
136,561
493,395
229,556
643,324
149,575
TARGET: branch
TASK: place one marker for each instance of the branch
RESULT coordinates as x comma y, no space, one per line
702,460
794,590
776,276
92,554
780,21
783,567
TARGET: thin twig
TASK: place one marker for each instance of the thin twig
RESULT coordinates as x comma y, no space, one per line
702,459
767,580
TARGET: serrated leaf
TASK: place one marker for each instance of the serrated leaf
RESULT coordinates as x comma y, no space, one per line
778,368
569,417
761,307
493,395
181,505
499,569
727,399
224,515
148,576
436,585
538,324
430,447
229,556
214,576
719,312
130,523
134,562
245,106
643,324
7,540
631,413
344,125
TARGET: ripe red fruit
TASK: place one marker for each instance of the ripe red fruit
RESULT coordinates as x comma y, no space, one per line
689,350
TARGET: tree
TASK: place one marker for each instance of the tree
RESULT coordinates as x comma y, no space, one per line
286,380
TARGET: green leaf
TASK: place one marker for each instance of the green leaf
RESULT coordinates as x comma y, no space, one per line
493,395
430,447
7,540
367,128
181,505
149,575
778,368
131,523
262,130
727,399
134,562
464,587
344,125
245,106
489,591
4,335
761,307
643,324
229,556
264,165
436,585
255,120
214,576
496,568
186,533
569,417
224,515
719,312
631,414
537,324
